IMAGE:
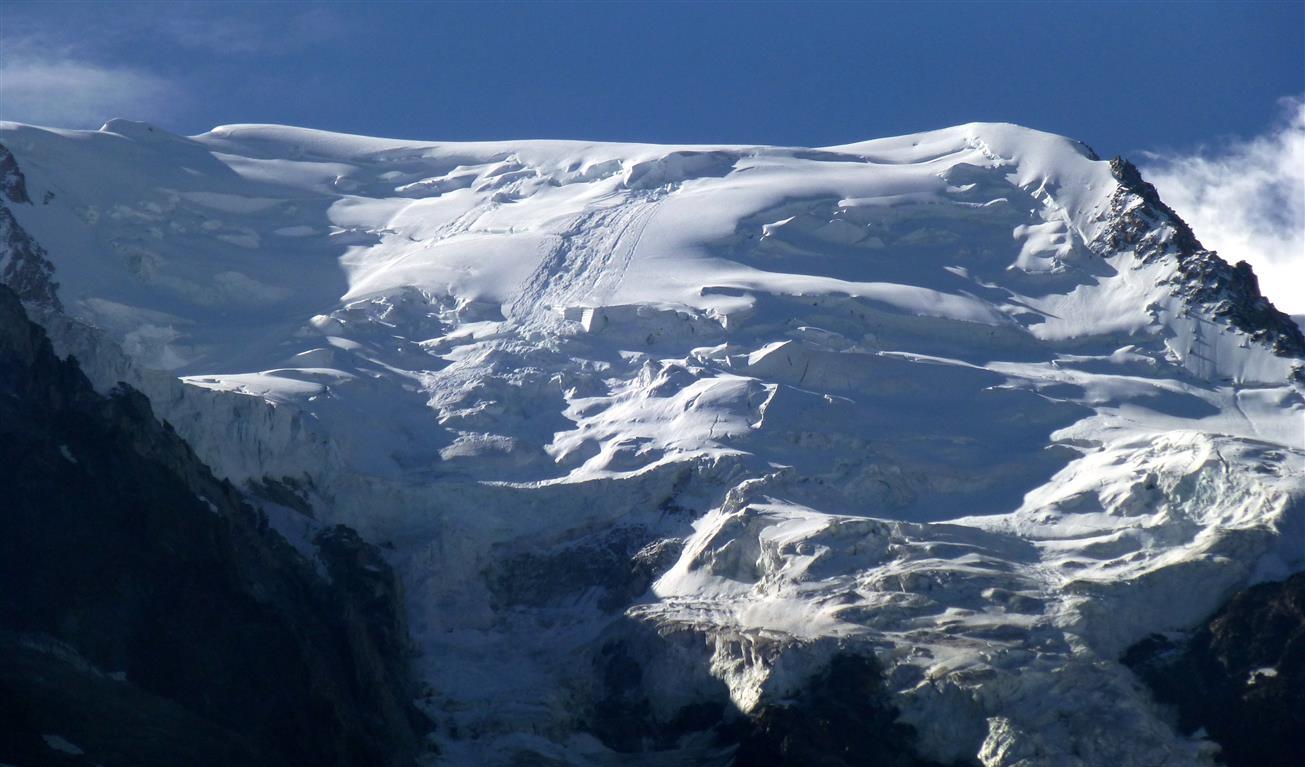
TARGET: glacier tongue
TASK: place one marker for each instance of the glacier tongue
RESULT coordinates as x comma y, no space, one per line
973,400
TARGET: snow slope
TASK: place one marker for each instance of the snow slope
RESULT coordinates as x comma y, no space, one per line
972,399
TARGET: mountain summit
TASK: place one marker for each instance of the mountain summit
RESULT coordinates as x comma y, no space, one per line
661,439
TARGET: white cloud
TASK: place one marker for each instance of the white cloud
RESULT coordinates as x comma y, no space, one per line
1246,199
71,93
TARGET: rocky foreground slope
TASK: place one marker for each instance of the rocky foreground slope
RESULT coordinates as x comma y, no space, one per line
660,440
148,617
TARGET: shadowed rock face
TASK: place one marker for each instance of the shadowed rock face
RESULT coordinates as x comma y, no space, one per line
843,717
1241,675
148,616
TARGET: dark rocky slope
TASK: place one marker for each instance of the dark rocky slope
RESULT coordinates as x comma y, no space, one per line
1241,675
842,718
147,614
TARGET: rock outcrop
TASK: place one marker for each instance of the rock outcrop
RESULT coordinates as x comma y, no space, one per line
1240,676
843,717
148,616
1207,283
24,265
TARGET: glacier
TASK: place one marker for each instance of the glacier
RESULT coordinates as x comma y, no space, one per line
974,401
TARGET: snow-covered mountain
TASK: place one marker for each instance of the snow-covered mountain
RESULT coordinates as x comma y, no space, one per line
647,429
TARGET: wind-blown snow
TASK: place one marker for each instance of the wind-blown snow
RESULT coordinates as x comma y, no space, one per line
894,394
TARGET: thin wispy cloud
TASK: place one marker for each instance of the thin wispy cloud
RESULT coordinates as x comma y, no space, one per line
145,61
1246,199
72,93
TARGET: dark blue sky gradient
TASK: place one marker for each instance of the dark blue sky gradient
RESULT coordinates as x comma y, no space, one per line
1120,76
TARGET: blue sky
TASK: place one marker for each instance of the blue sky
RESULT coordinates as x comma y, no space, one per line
1122,77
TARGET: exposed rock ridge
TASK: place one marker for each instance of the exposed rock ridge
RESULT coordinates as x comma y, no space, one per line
1141,221
12,182
24,265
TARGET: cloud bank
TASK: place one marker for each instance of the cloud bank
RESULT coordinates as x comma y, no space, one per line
1246,199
